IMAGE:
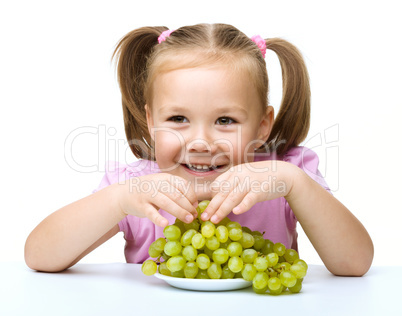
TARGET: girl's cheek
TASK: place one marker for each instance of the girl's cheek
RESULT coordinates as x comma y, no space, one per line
168,146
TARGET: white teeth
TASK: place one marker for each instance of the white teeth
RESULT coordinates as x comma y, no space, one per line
199,167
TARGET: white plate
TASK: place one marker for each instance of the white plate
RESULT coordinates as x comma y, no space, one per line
205,284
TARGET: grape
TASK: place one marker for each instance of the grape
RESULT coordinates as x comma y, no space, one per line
274,284
260,280
268,247
212,243
202,250
235,233
261,263
153,252
249,271
220,256
259,242
297,287
180,224
224,221
234,249
233,225
193,225
302,262
203,261
187,236
283,266
202,205
172,248
190,270
247,240
214,271
159,244
276,292
249,255
176,263
178,274
225,244
235,264
189,253
149,267
272,272
172,232
202,274
298,270
227,273
290,255
260,291
287,278
279,248
163,269
272,259
207,229
198,241
222,233
208,252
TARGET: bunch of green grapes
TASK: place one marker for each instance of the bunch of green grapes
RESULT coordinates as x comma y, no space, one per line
203,250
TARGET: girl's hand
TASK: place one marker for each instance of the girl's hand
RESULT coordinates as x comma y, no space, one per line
143,196
239,188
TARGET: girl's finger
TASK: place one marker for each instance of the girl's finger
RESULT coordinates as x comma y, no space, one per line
184,195
152,213
172,203
233,199
246,204
213,206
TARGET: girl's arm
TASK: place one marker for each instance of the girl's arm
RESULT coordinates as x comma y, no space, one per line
339,238
70,233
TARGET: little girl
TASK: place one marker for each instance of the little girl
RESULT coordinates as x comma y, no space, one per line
196,113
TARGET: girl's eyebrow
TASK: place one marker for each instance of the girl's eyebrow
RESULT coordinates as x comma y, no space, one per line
229,109
224,109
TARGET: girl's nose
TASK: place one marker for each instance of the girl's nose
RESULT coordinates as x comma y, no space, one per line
201,143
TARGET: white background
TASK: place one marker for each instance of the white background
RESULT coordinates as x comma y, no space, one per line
56,77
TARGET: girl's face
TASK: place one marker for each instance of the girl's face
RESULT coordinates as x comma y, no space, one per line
204,121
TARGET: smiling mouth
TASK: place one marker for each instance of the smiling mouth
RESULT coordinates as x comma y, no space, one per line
203,168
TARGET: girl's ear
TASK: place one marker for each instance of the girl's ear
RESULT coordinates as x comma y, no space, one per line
266,125
150,121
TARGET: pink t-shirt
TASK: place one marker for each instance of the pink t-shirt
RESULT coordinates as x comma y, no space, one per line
274,217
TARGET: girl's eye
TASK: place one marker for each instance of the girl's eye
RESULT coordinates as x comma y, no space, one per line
177,119
225,121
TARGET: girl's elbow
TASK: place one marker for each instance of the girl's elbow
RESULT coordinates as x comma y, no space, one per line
357,266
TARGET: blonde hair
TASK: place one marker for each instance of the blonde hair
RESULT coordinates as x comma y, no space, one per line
140,59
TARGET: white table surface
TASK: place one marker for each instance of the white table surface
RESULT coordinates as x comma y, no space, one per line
122,289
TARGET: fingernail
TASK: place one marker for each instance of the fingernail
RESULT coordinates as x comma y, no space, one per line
204,216
189,218
214,218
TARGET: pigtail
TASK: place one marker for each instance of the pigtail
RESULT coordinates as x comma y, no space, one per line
131,56
293,119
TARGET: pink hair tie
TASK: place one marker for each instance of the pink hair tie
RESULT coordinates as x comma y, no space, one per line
164,35
260,43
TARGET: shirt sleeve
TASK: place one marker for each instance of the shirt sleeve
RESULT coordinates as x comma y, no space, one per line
117,172
307,160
